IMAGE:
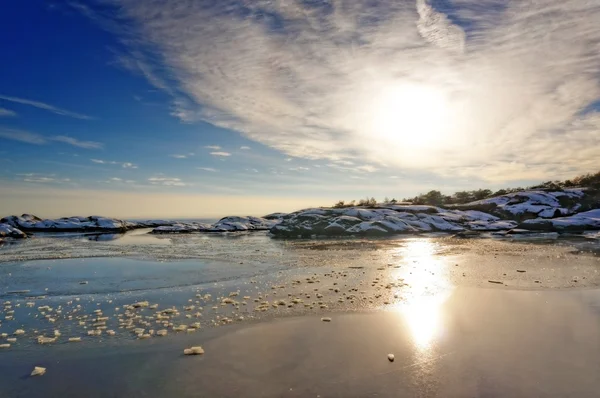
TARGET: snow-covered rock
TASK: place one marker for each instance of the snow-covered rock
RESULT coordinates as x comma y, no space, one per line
31,223
383,220
226,224
8,231
531,204
234,223
181,228
151,223
274,216
587,220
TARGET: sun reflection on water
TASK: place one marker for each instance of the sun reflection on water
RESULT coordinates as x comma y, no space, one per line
428,289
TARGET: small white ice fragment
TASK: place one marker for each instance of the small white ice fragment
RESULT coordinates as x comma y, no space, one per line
4,345
19,332
194,351
74,339
38,371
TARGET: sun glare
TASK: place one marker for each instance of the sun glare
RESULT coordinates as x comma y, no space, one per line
424,271
410,116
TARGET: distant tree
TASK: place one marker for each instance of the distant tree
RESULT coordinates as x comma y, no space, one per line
386,200
339,204
481,194
434,198
393,201
462,197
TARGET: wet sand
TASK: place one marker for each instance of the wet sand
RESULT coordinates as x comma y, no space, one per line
471,343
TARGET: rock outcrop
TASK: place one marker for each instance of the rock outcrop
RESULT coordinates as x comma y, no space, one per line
31,223
8,231
226,224
528,210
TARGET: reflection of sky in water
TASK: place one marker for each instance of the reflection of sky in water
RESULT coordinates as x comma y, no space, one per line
429,288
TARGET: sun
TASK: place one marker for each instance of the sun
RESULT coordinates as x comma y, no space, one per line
411,116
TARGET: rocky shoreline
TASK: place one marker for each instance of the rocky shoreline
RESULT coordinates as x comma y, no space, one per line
520,213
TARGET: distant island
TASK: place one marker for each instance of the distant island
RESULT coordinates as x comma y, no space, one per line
550,209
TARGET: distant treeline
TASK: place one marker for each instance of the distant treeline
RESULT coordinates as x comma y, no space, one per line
437,198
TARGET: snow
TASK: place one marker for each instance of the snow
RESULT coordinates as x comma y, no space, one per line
29,222
541,203
580,221
8,231
226,224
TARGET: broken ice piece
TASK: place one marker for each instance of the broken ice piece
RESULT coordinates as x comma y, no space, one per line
194,351
74,339
38,371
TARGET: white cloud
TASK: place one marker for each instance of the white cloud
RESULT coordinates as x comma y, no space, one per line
38,139
166,181
213,147
398,85
47,107
245,148
42,178
7,112
220,153
125,165
22,136
210,169
299,168
367,168
77,143
179,156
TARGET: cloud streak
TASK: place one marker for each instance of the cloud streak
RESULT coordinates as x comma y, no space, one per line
349,80
221,154
125,165
7,113
37,139
78,143
47,107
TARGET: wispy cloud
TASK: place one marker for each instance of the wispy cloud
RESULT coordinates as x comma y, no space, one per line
22,136
245,148
210,169
7,112
42,178
213,147
473,85
299,169
125,165
183,155
167,181
78,143
220,153
44,106
38,139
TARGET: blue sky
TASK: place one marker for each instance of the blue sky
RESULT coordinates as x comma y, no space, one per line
249,107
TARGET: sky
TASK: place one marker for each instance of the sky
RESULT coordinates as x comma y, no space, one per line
208,108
